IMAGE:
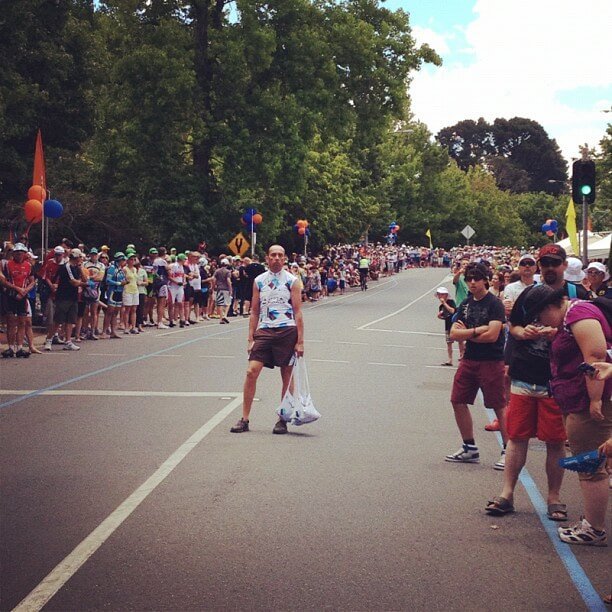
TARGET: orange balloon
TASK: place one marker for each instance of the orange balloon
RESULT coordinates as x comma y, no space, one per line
257,218
33,210
36,192
301,231
301,223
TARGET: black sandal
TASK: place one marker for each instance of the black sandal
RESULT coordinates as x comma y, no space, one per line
499,506
557,509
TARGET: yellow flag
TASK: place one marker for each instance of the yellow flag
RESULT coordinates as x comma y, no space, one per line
428,234
570,226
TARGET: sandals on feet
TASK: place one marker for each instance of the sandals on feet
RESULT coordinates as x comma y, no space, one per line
560,510
499,506
447,363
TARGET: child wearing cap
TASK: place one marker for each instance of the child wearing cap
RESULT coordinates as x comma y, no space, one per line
446,310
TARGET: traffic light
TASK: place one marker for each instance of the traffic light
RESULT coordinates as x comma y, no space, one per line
583,181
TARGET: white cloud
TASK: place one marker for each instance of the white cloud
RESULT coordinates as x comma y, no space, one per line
434,39
523,55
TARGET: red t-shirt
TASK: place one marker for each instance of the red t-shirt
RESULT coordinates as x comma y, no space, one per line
19,273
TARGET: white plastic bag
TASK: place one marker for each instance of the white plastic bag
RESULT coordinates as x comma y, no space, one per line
305,411
286,409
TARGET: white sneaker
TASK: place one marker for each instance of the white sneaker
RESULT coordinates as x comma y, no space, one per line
162,326
71,346
582,533
501,463
47,346
466,454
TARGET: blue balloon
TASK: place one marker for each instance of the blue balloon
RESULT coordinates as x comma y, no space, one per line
554,226
53,209
250,211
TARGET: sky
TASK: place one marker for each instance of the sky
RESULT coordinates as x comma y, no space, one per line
546,60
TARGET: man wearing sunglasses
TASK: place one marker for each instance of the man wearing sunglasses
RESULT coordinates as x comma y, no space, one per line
479,322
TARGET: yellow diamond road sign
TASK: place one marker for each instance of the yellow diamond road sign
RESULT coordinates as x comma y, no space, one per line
239,245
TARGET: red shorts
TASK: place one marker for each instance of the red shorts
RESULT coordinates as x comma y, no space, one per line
531,417
474,375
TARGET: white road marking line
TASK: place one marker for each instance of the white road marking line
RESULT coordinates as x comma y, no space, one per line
441,367
219,356
398,346
401,331
396,365
329,360
314,341
107,354
429,292
353,343
62,572
167,355
191,328
114,393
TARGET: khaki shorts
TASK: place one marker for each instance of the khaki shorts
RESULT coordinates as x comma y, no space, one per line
274,347
585,434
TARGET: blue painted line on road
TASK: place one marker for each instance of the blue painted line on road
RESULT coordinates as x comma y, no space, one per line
114,366
581,581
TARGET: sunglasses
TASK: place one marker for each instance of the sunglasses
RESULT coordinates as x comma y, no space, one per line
477,277
527,262
550,263
593,271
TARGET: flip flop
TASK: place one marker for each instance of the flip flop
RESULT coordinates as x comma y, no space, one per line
557,509
447,363
499,506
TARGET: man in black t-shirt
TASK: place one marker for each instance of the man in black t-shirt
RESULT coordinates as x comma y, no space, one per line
479,322
252,270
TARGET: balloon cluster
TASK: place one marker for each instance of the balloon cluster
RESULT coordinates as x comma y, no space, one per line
393,229
301,227
551,227
34,207
251,218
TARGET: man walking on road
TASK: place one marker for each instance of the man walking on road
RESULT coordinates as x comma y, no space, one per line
276,331
479,321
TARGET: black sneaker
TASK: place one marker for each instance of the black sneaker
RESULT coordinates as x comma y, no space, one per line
57,340
171,324
22,353
280,427
8,353
182,324
240,426
225,320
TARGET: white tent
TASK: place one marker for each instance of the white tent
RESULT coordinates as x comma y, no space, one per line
592,238
600,249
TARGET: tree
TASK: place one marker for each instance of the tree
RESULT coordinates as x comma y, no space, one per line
518,152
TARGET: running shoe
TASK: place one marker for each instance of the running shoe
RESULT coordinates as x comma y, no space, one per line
22,353
8,353
71,346
500,464
47,345
280,427
58,340
466,454
240,427
492,426
162,326
583,533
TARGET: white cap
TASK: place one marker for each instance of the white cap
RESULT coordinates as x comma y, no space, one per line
59,250
74,253
224,262
441,290
20,247
596,265
574,272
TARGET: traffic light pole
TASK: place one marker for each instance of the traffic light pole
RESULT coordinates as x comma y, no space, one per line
585,231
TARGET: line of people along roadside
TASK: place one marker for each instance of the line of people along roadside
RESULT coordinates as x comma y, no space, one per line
522,344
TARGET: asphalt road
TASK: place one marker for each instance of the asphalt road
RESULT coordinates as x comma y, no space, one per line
123,489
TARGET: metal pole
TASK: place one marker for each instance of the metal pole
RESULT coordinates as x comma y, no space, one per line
585,235
305,245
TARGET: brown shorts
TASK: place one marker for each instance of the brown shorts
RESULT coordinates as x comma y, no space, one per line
585,434
473,375
274,347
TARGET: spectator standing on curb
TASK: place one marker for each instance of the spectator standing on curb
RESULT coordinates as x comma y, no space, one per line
18,280
49,273
115,281
223,285
71,277
479,322
276,331
131,296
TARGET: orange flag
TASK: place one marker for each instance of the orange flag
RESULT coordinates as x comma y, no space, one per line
39,177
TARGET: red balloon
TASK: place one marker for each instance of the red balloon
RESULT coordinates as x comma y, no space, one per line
36,192
33,210
301,230
301,223
550,233
257,218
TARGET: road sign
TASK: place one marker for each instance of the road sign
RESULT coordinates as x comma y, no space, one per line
239,245
468,231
